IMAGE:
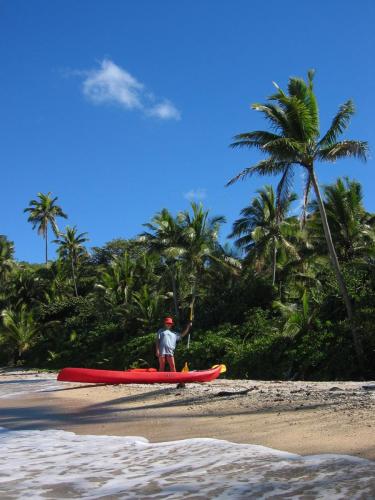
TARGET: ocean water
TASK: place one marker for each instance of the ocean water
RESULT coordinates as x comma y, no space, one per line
32,382
54,464
60,465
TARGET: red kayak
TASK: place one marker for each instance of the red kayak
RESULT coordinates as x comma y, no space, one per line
137,376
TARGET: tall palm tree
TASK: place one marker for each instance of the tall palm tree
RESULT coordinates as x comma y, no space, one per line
264,229
351,226
200,245
295,141
71,247
164,237
43,212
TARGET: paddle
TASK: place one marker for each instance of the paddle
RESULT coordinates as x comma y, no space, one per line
223,368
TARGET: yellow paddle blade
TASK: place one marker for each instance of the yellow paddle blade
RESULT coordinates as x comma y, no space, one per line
223,368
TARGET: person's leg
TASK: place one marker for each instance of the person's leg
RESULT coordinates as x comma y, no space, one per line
171,363
161,363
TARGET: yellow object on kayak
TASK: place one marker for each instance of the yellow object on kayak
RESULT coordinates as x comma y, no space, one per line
223,368
185,368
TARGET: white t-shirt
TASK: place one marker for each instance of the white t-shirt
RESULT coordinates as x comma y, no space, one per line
167,341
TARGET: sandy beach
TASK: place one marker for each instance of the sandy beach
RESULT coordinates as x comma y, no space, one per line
298,417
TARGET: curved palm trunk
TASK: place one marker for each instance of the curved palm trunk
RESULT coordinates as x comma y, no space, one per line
336,268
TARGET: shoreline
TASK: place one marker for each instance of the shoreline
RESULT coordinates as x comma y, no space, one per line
307,418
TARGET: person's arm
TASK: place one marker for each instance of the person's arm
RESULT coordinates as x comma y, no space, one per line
187,329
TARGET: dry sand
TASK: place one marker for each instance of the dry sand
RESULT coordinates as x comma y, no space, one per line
299,417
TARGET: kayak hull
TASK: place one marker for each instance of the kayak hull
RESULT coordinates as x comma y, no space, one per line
87,375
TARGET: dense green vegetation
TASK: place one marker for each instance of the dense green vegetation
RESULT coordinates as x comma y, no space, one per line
292,297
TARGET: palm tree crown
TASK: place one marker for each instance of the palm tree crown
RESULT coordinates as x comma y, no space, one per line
71,247
265,229
164,238
295,139
43,212
71,244
352,227
200,244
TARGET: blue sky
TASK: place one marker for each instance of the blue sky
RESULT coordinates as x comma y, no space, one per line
121,108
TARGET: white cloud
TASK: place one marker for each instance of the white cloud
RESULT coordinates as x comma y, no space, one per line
196,194
165,110
112,84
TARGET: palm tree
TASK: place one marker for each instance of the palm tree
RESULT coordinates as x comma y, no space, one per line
351,226
295,141
43,212
264,229
19,328
71,247
164,238
200,245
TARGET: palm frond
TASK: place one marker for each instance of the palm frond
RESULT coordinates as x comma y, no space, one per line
344,149
284,147
269,166
339,123
257,139
283,191
274,114
300,125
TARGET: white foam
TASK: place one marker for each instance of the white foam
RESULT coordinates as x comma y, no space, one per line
58,464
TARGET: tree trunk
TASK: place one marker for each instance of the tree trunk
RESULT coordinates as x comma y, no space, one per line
274,263
336,267
46,243
74,277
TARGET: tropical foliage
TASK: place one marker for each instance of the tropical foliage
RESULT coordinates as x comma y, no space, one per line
289,295
295,141
264,231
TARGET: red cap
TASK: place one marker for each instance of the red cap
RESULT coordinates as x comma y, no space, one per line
168,321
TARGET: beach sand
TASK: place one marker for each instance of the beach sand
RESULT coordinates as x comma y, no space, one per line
298,417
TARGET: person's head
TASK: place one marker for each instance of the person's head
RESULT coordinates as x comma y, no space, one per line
168,322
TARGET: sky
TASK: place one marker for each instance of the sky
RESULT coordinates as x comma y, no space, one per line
121,108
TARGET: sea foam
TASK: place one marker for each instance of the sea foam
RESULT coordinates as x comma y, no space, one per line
57,464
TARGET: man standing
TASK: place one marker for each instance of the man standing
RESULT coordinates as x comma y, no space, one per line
166,344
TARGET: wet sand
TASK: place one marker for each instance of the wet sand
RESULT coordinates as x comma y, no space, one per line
298,417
